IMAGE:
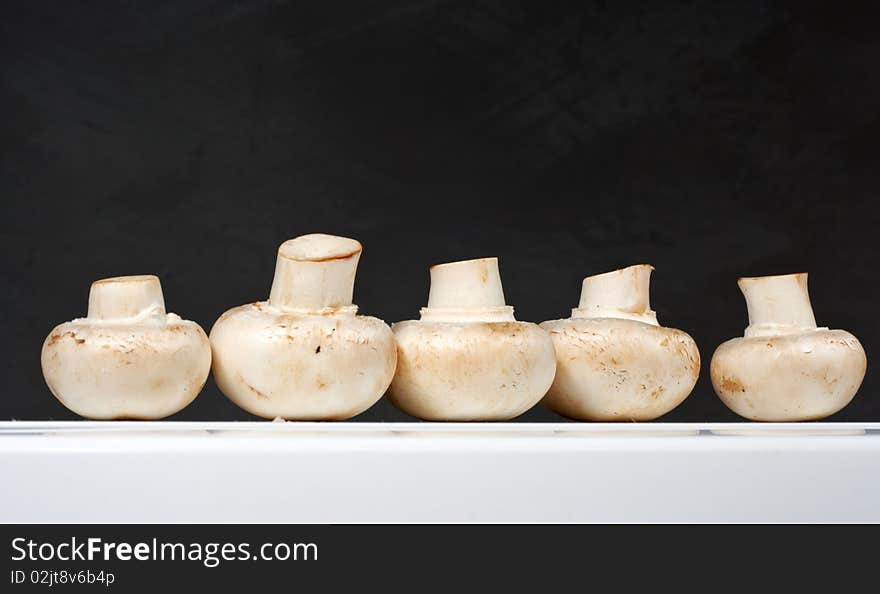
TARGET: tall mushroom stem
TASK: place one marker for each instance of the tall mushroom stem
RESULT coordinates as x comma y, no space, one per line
623,293
777,304
315,273
469,290
125,297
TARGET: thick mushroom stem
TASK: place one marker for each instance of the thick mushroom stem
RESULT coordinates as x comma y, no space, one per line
777,304
125,297
315,273
467,291
623,293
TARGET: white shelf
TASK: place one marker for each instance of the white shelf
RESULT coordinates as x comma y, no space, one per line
423,472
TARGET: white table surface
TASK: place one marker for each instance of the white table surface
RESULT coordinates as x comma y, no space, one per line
423,472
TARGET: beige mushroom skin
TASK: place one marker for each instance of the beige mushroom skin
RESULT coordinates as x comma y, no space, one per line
467,358
128,359
304,354
614,361
785,368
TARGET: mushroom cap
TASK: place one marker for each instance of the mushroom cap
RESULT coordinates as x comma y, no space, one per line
126,370
277,363
791,377
611,369
470,371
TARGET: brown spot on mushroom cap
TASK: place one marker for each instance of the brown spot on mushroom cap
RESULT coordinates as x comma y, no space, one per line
253,390
731,385
53,338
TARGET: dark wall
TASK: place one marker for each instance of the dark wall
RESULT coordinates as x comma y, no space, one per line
189,138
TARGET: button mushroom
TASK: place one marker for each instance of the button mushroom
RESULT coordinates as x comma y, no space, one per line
784,368
127,359
614,361
304,354
467,358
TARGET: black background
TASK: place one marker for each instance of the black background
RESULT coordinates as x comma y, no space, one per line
189,138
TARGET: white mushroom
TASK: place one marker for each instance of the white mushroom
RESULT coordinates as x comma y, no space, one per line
467,358
614,361
128,359
304,354
785,368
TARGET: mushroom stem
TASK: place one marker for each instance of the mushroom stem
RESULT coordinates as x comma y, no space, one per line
315,273
469,290
623,293
125,297
777,304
